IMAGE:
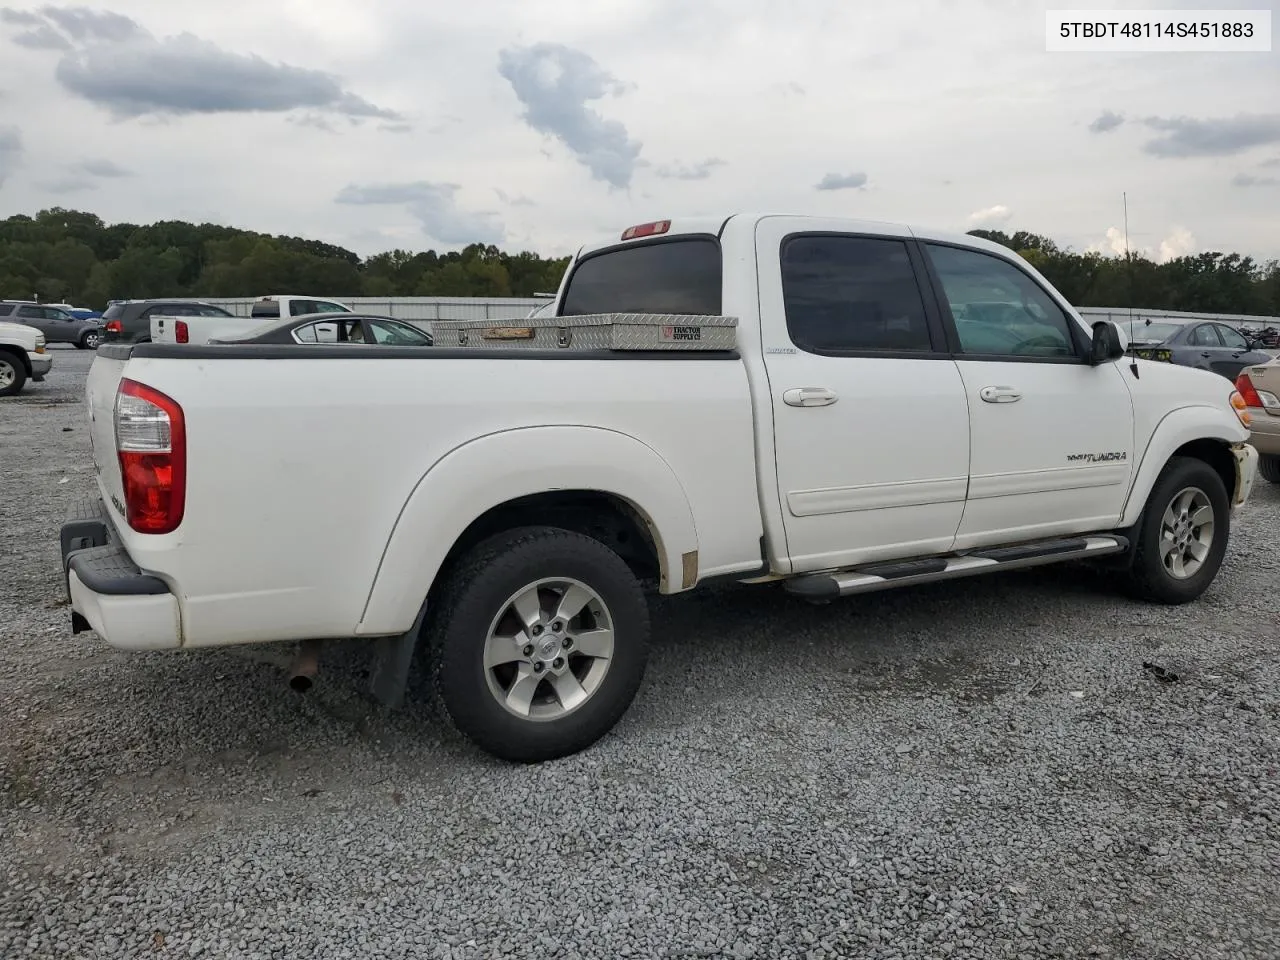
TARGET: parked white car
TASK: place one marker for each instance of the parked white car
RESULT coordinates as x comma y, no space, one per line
766,399
22,357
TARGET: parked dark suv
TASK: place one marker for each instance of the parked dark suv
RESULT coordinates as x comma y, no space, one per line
57,325
129,321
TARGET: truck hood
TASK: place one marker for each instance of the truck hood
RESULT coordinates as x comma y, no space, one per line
1161,388
20,333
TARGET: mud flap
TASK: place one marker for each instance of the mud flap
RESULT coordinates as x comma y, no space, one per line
392,660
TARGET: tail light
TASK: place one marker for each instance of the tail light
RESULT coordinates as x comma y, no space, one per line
151,441
1254,397
180,328
114,326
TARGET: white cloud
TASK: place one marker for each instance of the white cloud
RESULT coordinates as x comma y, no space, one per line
990,216
1179,243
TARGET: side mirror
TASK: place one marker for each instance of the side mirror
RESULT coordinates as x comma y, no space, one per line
1106,345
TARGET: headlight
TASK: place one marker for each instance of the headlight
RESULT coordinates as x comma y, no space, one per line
1241,408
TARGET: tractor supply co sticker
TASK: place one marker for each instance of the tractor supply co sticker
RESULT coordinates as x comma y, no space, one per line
681,333
1098,457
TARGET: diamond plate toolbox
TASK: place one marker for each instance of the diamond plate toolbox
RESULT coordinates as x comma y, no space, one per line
597,331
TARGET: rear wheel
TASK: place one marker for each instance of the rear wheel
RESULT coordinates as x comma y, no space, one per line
1182,536
13,375
539,644
1269,467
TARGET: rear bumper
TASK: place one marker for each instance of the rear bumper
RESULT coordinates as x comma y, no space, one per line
127,608
1246,472
1264,431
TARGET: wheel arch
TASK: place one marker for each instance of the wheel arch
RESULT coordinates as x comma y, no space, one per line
590,479
1199,432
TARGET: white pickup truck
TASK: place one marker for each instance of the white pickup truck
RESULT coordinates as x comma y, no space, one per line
22,357
861,430
201,329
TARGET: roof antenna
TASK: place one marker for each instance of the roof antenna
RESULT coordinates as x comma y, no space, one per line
1128,259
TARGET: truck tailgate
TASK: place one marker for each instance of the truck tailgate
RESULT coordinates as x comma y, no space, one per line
105,374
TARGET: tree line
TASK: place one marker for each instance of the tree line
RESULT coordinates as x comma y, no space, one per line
70,256
74,257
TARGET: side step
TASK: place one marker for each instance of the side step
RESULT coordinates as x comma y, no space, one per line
902,573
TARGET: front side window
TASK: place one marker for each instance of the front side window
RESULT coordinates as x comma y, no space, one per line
673,276
852,294
1232,339
324,306
998,310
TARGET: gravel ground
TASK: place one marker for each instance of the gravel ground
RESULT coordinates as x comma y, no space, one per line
976,769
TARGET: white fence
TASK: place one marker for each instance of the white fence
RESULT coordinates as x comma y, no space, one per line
417,309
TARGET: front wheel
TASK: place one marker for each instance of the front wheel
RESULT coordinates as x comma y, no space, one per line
1182,536
1269,467
13,376
91,340
539,644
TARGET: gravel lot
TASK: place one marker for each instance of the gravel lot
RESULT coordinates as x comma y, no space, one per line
976,769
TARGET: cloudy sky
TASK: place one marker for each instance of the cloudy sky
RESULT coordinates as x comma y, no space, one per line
538,124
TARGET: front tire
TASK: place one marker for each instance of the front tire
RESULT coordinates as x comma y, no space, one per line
1182,537
13,376
1269,467
539,644
91,340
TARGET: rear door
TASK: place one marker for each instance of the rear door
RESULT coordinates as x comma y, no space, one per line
1051,437
871,431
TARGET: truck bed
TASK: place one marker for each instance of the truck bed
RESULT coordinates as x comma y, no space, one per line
300,465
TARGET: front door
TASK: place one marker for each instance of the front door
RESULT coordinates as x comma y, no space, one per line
1051,437
1233,355
871,432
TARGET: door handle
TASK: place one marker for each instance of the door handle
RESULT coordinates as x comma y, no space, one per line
809,397
1206,354
999,394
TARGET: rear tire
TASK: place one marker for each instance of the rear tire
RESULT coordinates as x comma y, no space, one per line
515,679
1269,467
1179,546
13,375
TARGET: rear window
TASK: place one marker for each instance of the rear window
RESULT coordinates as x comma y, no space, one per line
113,311
672,276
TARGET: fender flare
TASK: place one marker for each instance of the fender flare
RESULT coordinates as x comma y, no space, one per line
494,469
1176,428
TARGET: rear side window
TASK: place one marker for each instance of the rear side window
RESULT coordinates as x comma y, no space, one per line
852,294
672,276
6,309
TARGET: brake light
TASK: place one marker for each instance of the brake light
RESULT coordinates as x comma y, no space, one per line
1247,390
151,442
114,326
646,229
1253,396
184,335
